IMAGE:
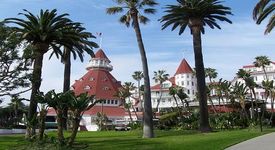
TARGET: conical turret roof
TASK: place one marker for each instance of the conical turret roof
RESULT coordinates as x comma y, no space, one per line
184,67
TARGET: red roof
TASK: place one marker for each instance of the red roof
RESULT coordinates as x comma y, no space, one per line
184,67
98,82
108,110
157,87
251,66
100,54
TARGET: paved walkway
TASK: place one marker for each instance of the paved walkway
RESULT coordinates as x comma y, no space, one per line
264,142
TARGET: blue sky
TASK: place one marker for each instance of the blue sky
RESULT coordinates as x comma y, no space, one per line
226,50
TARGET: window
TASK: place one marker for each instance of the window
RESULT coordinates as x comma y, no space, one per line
108,101
106,88
187,82
188,91
87,87
104,101
182,76
193,92
255,78
116,101
188,76
182,83
192,83
91,79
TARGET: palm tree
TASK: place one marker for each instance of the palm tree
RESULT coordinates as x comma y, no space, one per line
160,76
133,16
263,9
16,104
249,82
124,93
173,91
267,86
46,31
79,104
183,97
81,46
196,14
239,91
138,76
211,73
262,61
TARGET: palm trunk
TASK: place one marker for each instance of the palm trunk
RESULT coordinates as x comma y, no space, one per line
139,96
252,105
160,95
66,83
36,82
200,74
74,130
130,115
60,134
177,103
135,111
212,104
272,110
148,116
43,114
254,95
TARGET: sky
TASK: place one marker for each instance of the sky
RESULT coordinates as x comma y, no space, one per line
226,50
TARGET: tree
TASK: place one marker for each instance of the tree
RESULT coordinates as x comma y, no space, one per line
133,16
14,69
82,45
211,74
239,92
16,103
138,76
160,76
196,14
125,92
46,31
262,61
267,86
79,104
263,9
249,82
173,91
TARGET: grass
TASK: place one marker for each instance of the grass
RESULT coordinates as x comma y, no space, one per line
131,140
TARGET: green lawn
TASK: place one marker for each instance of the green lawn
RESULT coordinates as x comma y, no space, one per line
168,140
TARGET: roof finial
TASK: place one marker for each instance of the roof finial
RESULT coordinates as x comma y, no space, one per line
99,34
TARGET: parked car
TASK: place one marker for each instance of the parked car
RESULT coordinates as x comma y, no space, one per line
122,127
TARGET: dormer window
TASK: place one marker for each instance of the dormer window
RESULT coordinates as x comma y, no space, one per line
80,79
106,88
87,87
91,79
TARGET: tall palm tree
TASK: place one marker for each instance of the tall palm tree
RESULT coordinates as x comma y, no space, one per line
46,31
196,14
263,9
262,61
249,82
82,45
267,86
138,76
160,76
134,17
